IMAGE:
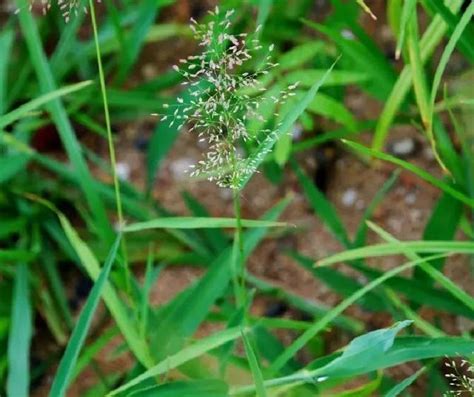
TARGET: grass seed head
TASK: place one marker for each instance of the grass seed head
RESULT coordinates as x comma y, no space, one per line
68,8
460,378
224,94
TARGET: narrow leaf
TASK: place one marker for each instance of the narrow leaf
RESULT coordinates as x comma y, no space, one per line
78,337
19,340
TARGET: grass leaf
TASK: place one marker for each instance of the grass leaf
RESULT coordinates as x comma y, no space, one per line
430,39
197,223
377,250
395,391
407,12
28,107
194,388
59,115
254,367
456,35
79,334
110,296
195,350
19,340
323,322
414,169
6,41
266,146
322,207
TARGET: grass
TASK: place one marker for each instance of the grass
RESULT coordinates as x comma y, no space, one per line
66,216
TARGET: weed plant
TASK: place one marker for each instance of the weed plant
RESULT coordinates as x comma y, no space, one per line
243,95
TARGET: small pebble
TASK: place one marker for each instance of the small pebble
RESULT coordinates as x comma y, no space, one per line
428,154
149,71
415,215
297,132
226,193
404,147
395,224
347,34
123,171
179,168
349,197
410,198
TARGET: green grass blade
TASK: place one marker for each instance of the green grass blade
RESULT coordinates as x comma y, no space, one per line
404,349
194,388
307,77
418,72
58,113
186,313
79,334
264,7
197,349
322,323
18,380
361,233
456,35
363,56
326,106
34,104
407,12
466,42
322,206
370,346
414,169
215,238
442,225
110,296
408,313
395,391
147,11
196,223
108,126
254,367
428,43
6,41
420,85
60,58
384,249
58,290
436,275
92,350
339,282
254,161
15,255
308,306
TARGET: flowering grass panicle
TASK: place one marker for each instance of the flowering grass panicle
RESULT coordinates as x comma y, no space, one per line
67,7
460,378
224,95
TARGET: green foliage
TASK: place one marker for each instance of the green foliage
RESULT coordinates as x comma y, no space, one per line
83,80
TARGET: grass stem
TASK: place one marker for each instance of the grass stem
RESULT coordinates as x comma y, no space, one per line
239,265
108,126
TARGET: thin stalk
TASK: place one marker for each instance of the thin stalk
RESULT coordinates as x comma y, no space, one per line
113,161
239,265
107,115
